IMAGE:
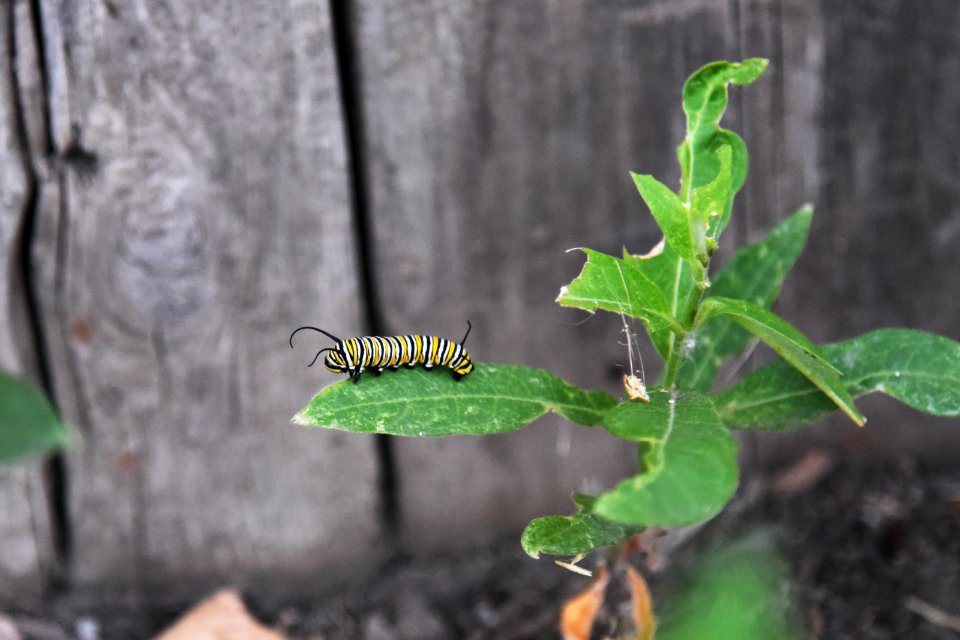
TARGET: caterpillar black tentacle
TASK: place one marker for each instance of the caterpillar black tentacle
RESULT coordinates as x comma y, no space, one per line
375,353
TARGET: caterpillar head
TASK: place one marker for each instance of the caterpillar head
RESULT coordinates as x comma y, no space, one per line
463,365
334,361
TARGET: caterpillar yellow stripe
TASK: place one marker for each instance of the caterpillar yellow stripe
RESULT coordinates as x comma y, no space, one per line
353,356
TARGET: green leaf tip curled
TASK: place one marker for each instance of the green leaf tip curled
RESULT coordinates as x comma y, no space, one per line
920,369
579,533
29,426
701,152
419,402
699,87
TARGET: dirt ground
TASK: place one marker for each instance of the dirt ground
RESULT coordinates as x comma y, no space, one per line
875,554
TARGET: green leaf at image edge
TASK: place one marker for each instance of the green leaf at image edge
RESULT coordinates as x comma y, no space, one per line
420,402
582,532
737,590
28,424
687,460
917,368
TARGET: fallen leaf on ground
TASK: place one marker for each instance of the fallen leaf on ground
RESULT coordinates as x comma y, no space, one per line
576,618
222,616
804,473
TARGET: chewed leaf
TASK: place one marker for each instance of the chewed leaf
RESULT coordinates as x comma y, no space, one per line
792,345
28,424
704,101
615,285
579,533
674,277
919,369
417,402
755,274
687,460
707,151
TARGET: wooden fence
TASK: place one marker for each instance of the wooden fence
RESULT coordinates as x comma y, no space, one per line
183,183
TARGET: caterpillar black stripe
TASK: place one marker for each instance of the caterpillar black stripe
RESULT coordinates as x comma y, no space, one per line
353,356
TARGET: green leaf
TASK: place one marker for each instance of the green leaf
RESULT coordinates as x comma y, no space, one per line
740,591
28,424
421,402
582,532
709,205
674,277
919,369
792,345
702,152
687,460
755,274
672,215
615,285
704,101
739,161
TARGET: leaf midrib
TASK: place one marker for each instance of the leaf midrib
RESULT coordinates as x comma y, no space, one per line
853,381
444,399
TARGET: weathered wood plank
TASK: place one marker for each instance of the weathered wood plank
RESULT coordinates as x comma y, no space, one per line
877,85
26,552
782,113
205,214
499,135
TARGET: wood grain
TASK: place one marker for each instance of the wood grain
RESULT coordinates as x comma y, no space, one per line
27,555
190,185
205,214
880,164
498,136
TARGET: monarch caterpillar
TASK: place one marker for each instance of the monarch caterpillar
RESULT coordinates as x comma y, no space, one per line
374,353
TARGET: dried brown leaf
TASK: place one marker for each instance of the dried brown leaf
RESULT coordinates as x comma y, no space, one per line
803,474
642,605
222,616
579,612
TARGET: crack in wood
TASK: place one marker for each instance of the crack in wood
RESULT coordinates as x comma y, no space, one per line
342,19
55,473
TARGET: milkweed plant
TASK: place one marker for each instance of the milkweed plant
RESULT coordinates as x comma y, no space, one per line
687,467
